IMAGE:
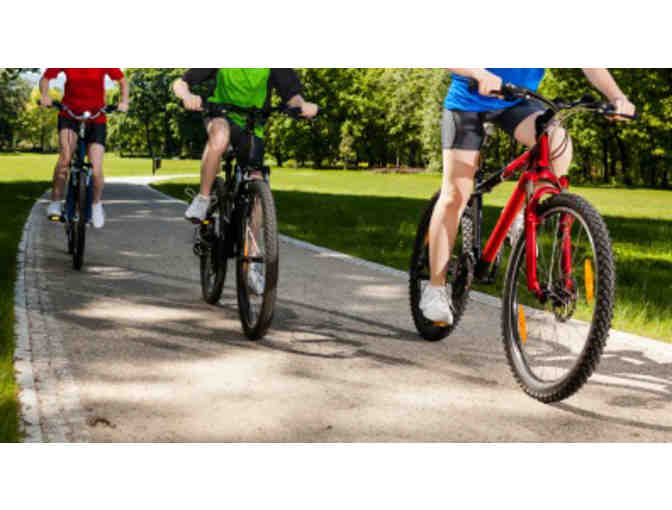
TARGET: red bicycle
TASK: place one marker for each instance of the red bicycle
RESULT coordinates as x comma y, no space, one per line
559,285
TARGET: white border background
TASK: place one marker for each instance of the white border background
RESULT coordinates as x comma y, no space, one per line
335,34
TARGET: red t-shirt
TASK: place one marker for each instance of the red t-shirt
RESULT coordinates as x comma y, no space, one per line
84,88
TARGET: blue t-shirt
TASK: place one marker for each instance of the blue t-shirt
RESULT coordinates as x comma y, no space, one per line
461,98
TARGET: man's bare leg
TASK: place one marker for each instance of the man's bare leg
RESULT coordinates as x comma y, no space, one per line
459,167
219,134
67,140
96,153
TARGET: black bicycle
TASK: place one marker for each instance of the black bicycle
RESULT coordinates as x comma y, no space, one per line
79,189
241,224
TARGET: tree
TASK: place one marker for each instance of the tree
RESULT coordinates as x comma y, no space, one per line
14,92
38,125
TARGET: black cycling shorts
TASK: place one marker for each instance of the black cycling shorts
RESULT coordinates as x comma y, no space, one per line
237,134
464,130
95,132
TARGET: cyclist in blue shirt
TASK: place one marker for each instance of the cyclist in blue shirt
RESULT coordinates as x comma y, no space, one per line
462,134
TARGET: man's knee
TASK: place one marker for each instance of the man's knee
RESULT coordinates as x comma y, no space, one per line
450,197
218,142
63,163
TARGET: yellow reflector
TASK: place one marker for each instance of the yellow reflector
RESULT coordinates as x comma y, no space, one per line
206,222
441,324
590,288
522,324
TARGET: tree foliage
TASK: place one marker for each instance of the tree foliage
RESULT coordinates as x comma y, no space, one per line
14,94
380,118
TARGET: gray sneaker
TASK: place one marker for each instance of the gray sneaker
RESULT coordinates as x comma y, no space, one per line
54,210
436,305
198,209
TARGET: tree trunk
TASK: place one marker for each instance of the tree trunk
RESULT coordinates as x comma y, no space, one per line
149,140
605,160
625,162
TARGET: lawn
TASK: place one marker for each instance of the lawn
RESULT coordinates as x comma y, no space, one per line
373,216
39,167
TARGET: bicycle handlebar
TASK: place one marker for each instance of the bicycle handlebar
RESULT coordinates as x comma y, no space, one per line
258,114
110,108
511,91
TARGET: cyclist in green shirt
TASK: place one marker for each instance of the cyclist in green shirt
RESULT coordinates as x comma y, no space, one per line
243,87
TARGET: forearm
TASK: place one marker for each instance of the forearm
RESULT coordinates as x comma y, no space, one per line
602,80
44,86
125,90
469,72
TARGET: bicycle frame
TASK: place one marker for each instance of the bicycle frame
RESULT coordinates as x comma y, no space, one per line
537,164
79,169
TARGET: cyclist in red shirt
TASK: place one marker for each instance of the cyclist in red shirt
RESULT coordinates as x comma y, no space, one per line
84,91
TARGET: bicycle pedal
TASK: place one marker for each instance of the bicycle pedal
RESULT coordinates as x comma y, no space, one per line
56,218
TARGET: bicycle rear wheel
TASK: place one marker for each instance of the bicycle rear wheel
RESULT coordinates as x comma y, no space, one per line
459,276
553,348
257,262
213,256
79,225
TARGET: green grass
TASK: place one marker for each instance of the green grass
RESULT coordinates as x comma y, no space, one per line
39,167
374,216
18,199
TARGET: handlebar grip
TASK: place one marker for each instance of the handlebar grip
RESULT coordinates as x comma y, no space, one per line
508,90
609,111
54,104
293,112
110,108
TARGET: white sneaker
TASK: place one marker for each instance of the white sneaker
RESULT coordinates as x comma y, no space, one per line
436,305
198,209
97,215
54,210
255,279
517,228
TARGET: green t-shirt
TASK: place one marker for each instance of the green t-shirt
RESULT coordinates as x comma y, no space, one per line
247,87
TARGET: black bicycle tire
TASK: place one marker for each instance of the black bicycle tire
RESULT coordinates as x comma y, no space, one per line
256,330
79,228
460,290
212,294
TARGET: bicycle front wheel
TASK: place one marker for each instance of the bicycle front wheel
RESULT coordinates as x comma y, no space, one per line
257,262
553,347
79,225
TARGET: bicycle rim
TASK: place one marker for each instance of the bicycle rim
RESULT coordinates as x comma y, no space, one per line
554,347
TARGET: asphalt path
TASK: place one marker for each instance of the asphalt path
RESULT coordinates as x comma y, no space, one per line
127,351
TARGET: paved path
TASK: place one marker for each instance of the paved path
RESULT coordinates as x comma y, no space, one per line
127,351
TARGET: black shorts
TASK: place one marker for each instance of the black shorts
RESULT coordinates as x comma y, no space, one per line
237,137
464,130
95,132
